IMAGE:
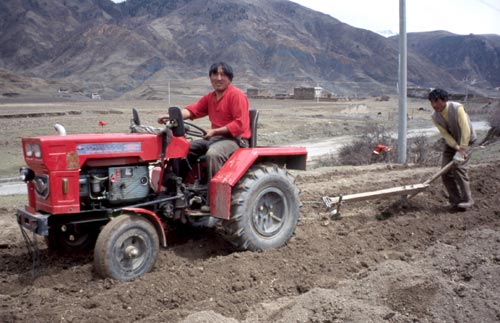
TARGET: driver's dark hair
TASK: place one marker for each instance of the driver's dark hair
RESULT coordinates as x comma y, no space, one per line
228,70
437,94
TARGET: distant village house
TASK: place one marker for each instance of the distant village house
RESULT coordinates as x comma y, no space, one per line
311,93
254,93
304,93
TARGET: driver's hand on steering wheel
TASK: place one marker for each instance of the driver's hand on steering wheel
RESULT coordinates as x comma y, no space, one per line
210,134
163,119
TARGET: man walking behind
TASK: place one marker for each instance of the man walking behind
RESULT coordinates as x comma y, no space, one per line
456,128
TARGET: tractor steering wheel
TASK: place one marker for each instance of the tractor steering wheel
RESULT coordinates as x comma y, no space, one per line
194,130
189,128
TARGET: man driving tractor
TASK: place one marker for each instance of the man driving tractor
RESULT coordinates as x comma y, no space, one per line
227,109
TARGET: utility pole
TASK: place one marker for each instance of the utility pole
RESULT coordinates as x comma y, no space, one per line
402,84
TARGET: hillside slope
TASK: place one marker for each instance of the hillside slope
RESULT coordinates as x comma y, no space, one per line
273,44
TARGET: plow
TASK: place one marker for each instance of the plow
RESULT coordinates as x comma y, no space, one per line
406,192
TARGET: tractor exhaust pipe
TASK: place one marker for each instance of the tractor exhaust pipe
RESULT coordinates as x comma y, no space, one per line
61,131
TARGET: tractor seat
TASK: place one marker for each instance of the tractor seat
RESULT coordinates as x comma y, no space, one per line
254,117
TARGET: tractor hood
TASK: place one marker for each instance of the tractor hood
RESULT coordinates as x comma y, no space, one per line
51,153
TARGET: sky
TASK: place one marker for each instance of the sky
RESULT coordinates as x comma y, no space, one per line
457,16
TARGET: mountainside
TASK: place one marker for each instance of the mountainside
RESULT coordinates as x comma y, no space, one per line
475,59
141,45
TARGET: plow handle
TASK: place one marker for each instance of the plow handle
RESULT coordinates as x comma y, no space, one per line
442,171
447,167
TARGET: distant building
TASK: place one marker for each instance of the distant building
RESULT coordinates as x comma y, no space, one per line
318,92
95,96
254,93
417,92
63,93
304,93
311,93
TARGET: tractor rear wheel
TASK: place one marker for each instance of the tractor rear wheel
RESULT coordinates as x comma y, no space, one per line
126,248
264,209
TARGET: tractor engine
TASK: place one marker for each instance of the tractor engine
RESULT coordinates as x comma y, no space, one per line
73,173
111,186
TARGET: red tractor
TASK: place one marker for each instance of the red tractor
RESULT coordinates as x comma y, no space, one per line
119,192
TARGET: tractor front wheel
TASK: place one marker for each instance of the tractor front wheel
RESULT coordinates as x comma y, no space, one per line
264,209
71,238
126,248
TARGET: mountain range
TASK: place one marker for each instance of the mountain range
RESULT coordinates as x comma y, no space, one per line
137,48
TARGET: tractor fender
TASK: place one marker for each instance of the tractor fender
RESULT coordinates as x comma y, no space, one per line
177,148
153,218
238,164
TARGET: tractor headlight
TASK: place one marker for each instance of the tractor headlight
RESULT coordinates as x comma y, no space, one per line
37,151
28,150
26,174
33,150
